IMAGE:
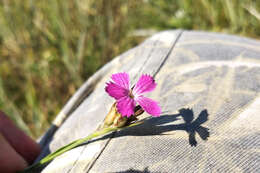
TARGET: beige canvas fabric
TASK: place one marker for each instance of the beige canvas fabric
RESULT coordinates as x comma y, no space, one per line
209,91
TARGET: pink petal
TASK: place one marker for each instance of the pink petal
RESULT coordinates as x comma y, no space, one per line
145,84
149,106
121,79
116,91
125,106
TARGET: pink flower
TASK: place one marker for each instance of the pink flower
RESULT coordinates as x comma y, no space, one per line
127,98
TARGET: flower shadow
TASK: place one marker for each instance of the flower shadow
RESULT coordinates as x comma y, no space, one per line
163,124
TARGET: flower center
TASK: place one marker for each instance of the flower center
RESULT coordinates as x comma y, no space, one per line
130,94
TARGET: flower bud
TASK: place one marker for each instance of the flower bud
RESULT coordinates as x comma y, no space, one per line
115,119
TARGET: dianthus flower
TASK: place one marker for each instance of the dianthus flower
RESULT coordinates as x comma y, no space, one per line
127,98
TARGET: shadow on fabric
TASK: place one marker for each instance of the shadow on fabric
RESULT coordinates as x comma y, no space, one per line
161,125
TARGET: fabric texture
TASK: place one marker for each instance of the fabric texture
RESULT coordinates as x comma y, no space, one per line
208,86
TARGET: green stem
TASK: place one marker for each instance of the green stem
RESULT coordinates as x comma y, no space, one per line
74,144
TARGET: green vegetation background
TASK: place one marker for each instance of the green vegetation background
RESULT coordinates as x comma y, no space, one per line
49,48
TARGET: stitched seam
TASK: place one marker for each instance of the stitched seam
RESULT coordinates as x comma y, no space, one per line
148,57
91,164
161,65
75,162
113,134
167,56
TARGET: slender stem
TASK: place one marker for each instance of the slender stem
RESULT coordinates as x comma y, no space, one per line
74,144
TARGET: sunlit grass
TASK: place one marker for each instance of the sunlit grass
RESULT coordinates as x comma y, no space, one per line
49,48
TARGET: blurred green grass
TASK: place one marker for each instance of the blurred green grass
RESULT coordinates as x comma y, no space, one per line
49,48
